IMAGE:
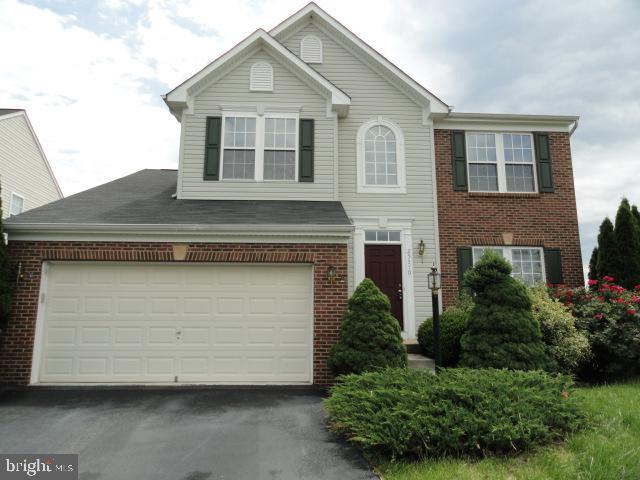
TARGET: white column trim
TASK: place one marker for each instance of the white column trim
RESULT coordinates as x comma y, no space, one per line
38,343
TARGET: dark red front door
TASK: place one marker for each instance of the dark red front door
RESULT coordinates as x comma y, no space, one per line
383,265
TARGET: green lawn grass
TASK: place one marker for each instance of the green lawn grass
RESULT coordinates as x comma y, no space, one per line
610,449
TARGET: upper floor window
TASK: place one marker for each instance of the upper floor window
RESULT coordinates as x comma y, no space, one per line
380,158
260,147
311,49
261,77
527,262
501,162
17,204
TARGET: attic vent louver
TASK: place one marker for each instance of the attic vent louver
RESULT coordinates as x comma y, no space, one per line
261,77
311,49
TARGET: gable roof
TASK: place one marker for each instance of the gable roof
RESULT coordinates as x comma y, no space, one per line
144,201
181,96
313,11
6,114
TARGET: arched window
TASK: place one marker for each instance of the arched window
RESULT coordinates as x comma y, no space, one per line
261,77
380,157
311,49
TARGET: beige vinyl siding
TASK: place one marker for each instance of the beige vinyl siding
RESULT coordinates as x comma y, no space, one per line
233,88
372,95
22,168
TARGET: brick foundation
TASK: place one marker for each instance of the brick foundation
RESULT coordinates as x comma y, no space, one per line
545,219
17,343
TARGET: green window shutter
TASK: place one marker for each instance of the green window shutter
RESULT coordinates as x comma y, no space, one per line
465,262
553,265
543,163
459,154
305,168
212,149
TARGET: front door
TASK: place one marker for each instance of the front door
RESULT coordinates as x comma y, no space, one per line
383,265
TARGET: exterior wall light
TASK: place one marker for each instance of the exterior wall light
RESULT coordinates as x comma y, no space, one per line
331,274
421,249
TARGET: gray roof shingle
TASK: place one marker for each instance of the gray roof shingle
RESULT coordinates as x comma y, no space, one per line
144,198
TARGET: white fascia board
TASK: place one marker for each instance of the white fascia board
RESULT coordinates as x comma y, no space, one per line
195,230
179,97
311,10
23,113
506,122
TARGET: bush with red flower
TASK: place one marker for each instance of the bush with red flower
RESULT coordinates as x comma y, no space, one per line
608,315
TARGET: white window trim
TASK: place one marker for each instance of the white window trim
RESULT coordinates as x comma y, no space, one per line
507,252
362,187
406,251
259,145
13,196
501,163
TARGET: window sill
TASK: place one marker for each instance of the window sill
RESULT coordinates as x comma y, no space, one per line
505,194
396,190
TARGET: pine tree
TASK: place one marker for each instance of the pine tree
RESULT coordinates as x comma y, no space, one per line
593,265
6,285
370,336
626,254
502,332
636,214
606,249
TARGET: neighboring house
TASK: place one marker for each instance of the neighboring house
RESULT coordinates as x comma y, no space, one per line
26,178
307,162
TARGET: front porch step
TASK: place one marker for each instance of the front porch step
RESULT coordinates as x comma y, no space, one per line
413,346
418,362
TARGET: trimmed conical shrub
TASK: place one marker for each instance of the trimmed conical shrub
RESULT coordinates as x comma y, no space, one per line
370,336
606,248
626,255
502,332
593,265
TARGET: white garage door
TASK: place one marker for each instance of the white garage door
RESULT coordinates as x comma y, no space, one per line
108,323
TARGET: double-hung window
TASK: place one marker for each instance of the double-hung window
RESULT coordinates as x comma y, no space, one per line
260,147
527,262
501,162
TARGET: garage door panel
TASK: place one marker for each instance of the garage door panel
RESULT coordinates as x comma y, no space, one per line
111,322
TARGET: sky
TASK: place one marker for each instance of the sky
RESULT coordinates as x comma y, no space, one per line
91,74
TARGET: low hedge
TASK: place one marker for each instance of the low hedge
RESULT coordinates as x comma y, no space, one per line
453,324
411,413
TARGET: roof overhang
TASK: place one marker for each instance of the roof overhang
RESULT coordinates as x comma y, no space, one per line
317,14
181,97
194,232
505,122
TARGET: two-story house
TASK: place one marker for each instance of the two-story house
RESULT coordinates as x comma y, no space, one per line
26,178
307,162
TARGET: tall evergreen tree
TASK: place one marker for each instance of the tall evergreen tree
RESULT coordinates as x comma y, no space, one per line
593,265
606,248
626,255
6,285
636,214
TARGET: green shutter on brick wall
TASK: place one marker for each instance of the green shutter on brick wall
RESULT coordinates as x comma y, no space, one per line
553,265
465,262
459,154
543,162
305,168
212,149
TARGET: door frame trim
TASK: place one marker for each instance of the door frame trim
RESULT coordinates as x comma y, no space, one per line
406,252
38,344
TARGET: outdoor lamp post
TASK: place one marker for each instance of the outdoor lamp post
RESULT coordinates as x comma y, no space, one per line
434,285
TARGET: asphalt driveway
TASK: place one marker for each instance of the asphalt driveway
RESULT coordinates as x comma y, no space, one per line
180,434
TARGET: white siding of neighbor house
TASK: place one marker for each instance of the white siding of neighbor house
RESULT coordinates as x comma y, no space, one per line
22,168
233,88
371,96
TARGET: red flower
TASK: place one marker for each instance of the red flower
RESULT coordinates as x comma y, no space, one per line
620,300
637,287
600,299
593,282
599,316
608,279
631,311
635,299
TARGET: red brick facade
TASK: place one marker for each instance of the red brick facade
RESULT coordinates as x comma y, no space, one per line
16,345
545,219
